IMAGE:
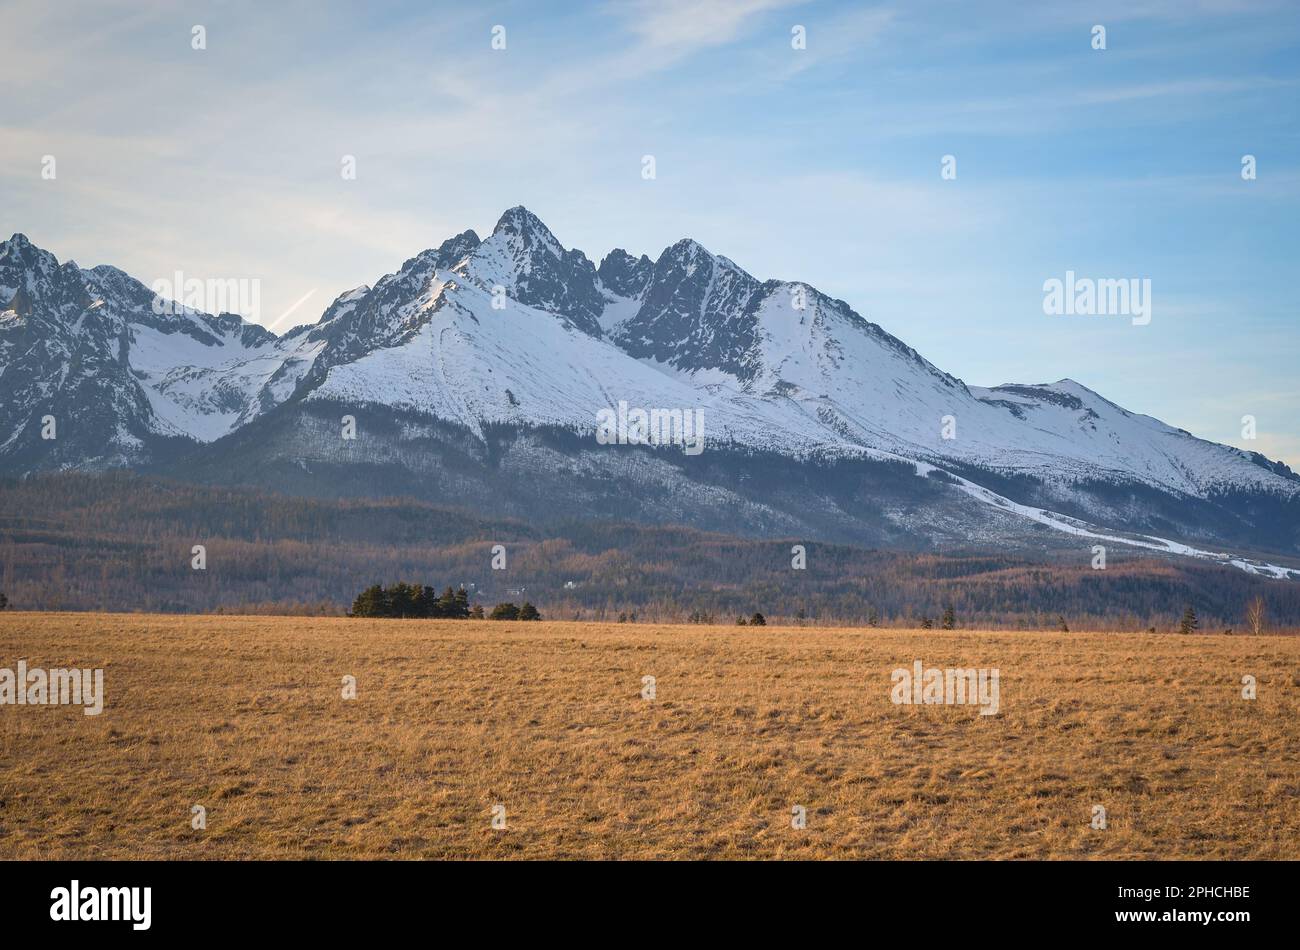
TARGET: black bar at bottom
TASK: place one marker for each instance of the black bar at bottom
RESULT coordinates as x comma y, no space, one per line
650,902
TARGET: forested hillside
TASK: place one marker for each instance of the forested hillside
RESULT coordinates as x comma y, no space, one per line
120,542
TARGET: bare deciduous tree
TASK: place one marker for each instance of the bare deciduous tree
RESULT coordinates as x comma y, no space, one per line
1255,615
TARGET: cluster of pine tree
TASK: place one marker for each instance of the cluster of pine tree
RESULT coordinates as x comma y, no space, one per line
414,601
411,600
510,612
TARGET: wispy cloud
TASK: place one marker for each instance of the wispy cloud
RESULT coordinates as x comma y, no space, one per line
1184,87
683,27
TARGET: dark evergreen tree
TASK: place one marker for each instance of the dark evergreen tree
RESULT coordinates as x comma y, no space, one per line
402,599
426,602
949,618
460,604
447,603
528,612
1189,623
758,620
369,603
505,612
477,612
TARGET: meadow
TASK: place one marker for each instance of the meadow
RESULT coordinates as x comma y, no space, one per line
547,727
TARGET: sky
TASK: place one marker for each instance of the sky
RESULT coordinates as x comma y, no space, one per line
823,164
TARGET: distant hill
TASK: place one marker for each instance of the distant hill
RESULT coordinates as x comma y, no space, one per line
122,542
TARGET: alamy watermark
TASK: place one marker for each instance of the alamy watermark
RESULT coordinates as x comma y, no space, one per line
637,426
922,686
1122,297
242,296
58,687
78,902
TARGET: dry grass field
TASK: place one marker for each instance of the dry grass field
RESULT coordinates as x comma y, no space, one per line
244,715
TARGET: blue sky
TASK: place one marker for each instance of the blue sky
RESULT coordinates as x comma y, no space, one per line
820,164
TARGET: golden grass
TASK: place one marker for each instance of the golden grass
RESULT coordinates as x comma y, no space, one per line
244,716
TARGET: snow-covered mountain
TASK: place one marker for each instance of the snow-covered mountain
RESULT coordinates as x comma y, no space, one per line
487,362
117,381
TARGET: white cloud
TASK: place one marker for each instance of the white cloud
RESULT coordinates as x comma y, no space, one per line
684,26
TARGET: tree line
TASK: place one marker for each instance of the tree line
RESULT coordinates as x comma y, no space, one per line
124,542
415,601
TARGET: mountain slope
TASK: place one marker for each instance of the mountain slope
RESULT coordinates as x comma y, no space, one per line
120,380
506,351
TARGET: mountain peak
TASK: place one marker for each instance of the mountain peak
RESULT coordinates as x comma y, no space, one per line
525,258
1074,387
619,257
19,246
623,274
689,252
519,220
686,248
25,262
523,231
454,248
